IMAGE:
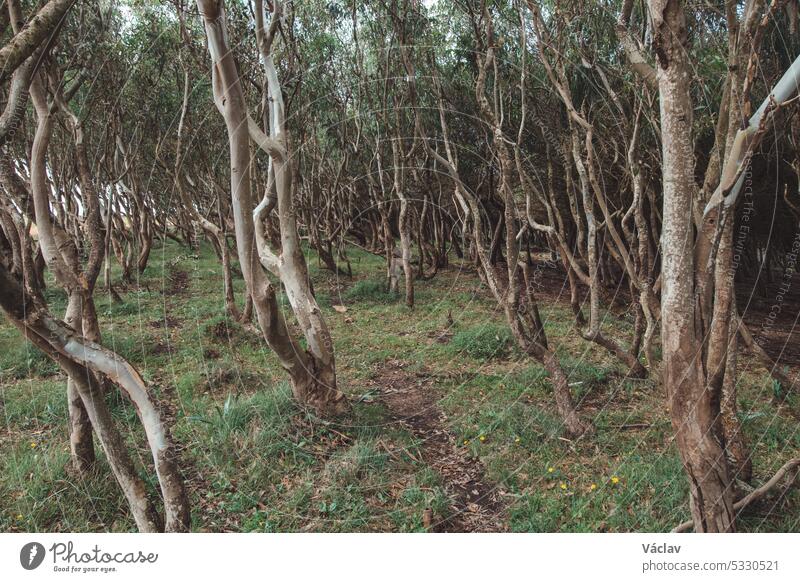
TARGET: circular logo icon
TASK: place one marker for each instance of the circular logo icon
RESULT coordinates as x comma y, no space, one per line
31,555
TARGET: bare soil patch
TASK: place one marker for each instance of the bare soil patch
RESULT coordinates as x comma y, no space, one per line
411,400
178,282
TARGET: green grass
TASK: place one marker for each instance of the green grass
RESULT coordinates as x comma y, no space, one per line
254,461
19,359
484,341
371,290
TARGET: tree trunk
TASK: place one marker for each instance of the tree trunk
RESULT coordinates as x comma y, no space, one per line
311,371
694,407
80,427
739,456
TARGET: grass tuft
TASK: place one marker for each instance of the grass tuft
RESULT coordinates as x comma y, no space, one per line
483,342
371,291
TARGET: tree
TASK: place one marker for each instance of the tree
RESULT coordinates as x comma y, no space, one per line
697,277
312,371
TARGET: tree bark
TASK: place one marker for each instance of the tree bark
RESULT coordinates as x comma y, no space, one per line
35,32
694,406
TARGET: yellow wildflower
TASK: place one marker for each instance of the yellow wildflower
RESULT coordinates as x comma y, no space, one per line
482,438
19,516
466,442
593,486
550,469
615,479
563,486
516,440
33,445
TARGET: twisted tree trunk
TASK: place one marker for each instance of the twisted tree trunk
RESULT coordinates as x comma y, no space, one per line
312,371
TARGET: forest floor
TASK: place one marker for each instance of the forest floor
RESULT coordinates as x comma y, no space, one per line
452,428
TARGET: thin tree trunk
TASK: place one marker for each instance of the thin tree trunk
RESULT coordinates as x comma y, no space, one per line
739,456
80,427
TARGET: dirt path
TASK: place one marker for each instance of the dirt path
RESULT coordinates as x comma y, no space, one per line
411,400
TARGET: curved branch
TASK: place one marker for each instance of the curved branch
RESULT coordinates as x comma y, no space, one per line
32,35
